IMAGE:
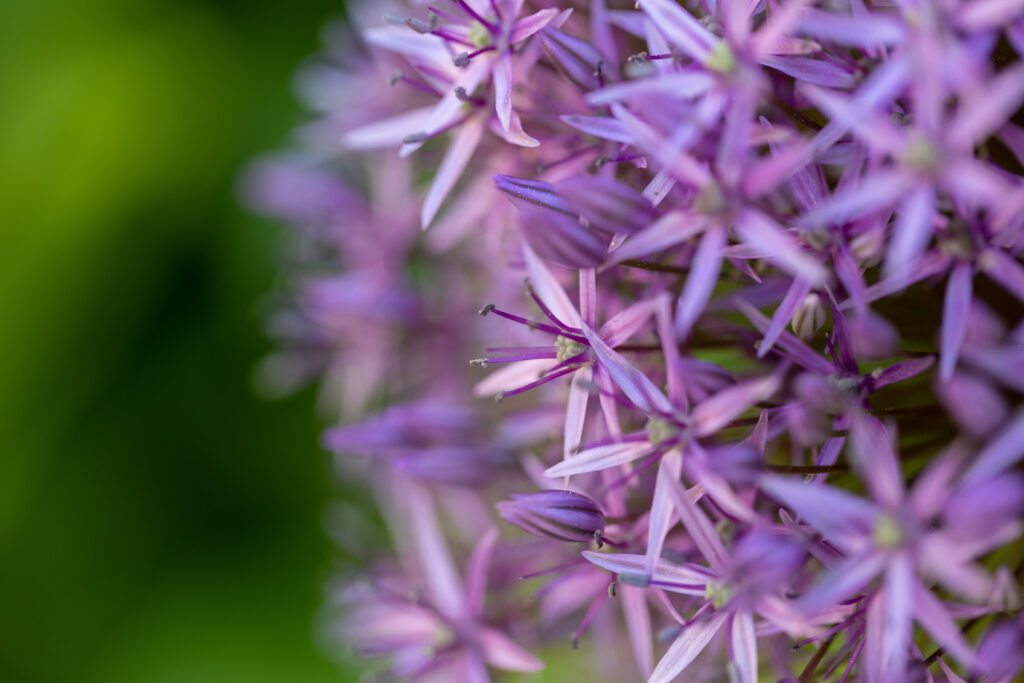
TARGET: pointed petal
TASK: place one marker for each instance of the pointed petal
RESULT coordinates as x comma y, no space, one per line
744,647
387,133
840,583
633,383
599,126
680,27
460,150
936,620
662,513
600,458
435,562
794,298
873,454
668,231
698,525
690,643
715,412
686,579
549,290
528,25
1002,453
955,309
987,108
762,233
476,571
638,625
502,78
576,410
503,653
701,281
913,230
840,516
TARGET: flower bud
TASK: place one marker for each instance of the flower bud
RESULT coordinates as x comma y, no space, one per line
809,317
561,515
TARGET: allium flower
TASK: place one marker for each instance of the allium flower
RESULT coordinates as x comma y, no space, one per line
765,382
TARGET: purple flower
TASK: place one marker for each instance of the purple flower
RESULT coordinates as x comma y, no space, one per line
561,515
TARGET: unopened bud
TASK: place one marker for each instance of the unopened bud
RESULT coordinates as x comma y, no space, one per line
809,317
561,515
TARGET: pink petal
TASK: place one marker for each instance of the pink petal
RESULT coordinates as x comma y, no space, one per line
662,517
502,653
454,162
638,625
744,647
934,619
698,525
761,232
715,412
434,559
955,309
633,383
688,579
502,78
476,571
842,517
528,25
600,458
576,410
690,643
1002,453
668,231
387,133
549,290
700,283
840,583
913,230
680,27
599,126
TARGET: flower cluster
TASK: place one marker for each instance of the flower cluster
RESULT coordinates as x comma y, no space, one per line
759,406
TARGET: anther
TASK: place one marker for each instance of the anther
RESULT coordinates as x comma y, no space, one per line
417,25
461,59
486,309
499,397
479,362
611,589
415,137
597,539
395,77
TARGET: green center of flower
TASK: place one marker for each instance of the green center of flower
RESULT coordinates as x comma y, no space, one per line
479,35
567,348
922,155
659,430
721,58
709,199
718,593
887,532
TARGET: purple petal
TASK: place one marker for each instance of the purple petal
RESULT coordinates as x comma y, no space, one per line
698,525
666,232
680,27
955,309
502,77
872,452
852,31
913,231
934,618
549,290
460,150
387,133
633,383
744,647
976,406
690,643
1002,453
528,25
761,232
502,653
476,571
599,126
525,192
841,517
599,458
809,70
662,513
576,410
715,412
682,85
638,625
1004,270
901,371
794,298
576,58
434,559
688,579
607,204
842,582
561,239
986,108
701,281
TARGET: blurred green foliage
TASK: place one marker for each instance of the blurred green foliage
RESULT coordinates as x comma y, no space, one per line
157,521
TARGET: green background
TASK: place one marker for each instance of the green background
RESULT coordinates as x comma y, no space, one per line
158,521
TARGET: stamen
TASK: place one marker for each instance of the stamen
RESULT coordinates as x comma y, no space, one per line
543,380
415,137
545,310
471,12
444,15
417,25
491,308
463,96
398,76
463,58
591,613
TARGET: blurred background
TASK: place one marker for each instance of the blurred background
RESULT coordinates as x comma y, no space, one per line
158,521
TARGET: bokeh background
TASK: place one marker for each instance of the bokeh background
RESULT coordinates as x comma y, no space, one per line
158,521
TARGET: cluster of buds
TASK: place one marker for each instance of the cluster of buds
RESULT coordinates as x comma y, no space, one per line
761,407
